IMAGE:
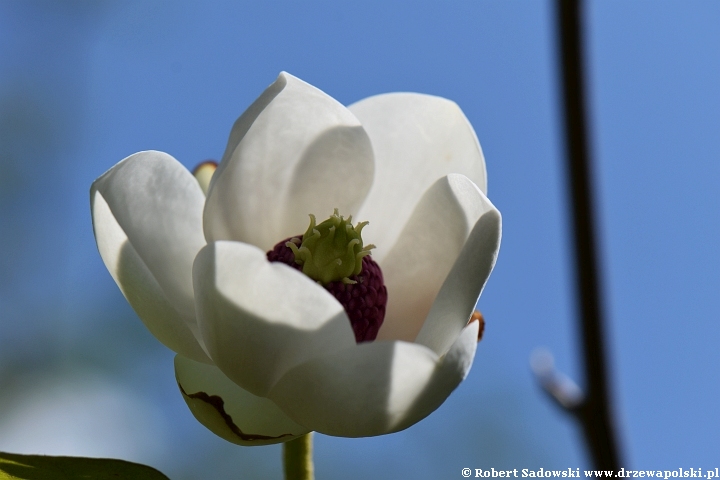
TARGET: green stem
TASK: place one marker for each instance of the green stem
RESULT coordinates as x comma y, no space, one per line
297,458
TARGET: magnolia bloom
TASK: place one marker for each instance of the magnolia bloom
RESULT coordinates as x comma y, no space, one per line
265,353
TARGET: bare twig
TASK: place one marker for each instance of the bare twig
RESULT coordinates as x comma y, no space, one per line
593,407
559,386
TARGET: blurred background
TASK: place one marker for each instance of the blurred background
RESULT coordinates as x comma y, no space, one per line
84,84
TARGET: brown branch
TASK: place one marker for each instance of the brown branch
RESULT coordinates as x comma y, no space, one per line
594,411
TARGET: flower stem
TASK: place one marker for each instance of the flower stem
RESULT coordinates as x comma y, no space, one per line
297,458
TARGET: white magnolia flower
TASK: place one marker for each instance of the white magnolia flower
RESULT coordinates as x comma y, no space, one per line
265,353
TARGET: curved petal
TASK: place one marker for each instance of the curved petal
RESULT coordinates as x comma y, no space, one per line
417,139
373,388
295,151
453,368
428,246
462,288
259,319
230,412
146,218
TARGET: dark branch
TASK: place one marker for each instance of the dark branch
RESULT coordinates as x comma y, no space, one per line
594,411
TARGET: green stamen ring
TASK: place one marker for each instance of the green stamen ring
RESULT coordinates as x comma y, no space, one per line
332,250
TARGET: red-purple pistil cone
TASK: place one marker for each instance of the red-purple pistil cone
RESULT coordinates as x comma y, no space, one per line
362,294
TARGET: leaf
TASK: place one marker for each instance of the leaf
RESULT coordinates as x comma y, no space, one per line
41,467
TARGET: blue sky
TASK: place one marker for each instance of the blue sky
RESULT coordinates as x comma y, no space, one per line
85,84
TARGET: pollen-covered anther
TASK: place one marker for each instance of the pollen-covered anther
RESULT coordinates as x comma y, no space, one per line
332,253
478,317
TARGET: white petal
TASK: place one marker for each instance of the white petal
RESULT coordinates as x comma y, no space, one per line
259,319
230,412
462,288
426,250
295,151
373,388
417,139
146,218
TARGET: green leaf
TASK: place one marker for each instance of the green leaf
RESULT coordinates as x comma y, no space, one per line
41,467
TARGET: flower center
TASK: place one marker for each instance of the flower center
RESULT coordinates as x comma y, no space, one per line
332,254
332,250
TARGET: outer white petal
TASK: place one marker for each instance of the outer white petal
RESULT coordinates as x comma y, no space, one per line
462,288
147,221
417,139
425,252
230,412
259,319
295,151
373,388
